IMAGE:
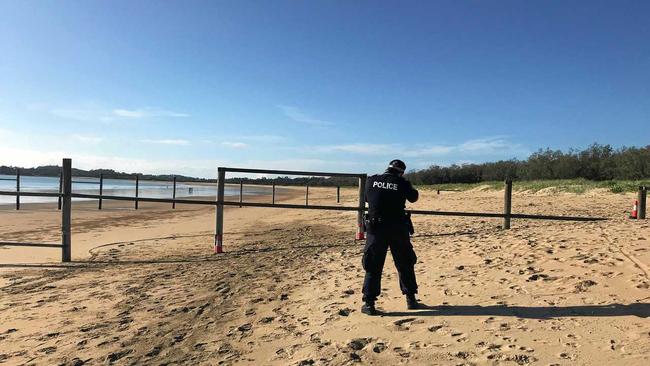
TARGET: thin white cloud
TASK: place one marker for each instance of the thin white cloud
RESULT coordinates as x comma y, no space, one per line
129,113
295,114
88,139
488,146
358,148
147,113
166,142
235,145
434,150
323,165
261,138
94,113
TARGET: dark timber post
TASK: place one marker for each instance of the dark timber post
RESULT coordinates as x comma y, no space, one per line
17,189
338,194
137,189
362,207
241,192
507,208
60,187
307,195
66,217
101,190
174,193
643,196
218,235
273,194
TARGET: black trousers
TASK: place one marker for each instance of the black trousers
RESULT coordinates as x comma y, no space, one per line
380,238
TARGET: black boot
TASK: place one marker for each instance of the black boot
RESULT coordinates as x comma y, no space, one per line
369,309
412,303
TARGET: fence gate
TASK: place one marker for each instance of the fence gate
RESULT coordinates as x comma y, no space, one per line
218,237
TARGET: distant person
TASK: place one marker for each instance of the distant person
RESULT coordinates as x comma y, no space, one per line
388,226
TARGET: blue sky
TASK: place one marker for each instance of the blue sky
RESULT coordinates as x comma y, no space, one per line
185,86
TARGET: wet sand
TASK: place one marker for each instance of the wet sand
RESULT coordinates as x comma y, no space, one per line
146,288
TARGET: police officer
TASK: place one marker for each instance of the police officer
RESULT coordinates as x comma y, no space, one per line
388,227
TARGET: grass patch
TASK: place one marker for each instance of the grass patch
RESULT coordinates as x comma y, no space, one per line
560,185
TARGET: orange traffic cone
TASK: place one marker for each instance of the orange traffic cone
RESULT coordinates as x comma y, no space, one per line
361,232
634,209
218,244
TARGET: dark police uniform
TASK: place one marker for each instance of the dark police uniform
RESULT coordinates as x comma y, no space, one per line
388,227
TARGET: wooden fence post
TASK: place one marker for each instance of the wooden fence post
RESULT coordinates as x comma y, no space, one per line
307,195
66,216
174,193
241,192
218,235
643,196
17,189
101,190
137,189
338,194
273,194
507,208
60,187
362,208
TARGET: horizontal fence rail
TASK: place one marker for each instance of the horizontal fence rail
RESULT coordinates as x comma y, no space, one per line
30,194
143,199
17,244
309,207
419,212
288,205
291,172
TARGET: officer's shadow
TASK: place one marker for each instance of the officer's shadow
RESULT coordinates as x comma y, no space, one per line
641,310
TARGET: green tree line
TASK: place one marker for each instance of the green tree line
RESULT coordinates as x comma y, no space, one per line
596,162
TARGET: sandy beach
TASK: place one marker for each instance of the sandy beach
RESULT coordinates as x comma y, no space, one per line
145,287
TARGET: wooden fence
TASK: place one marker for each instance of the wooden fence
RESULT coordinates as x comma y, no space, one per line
65,196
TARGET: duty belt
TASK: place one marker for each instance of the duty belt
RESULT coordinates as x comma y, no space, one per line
406,219
386,220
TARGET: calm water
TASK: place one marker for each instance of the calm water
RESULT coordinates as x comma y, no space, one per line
116,187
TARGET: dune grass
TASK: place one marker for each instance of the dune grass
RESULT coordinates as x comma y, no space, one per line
560,185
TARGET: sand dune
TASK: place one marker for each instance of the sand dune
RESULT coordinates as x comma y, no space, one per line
146,289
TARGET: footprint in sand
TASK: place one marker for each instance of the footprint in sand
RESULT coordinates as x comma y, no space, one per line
463,355
406,323
567,356
402,352
358,344
379,347
459,336
435,328
583,286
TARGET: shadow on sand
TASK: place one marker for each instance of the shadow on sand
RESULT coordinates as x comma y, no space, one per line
641,310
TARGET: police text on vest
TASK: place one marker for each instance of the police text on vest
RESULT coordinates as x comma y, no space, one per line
385,185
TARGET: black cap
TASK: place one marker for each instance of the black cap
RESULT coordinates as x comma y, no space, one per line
397,165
